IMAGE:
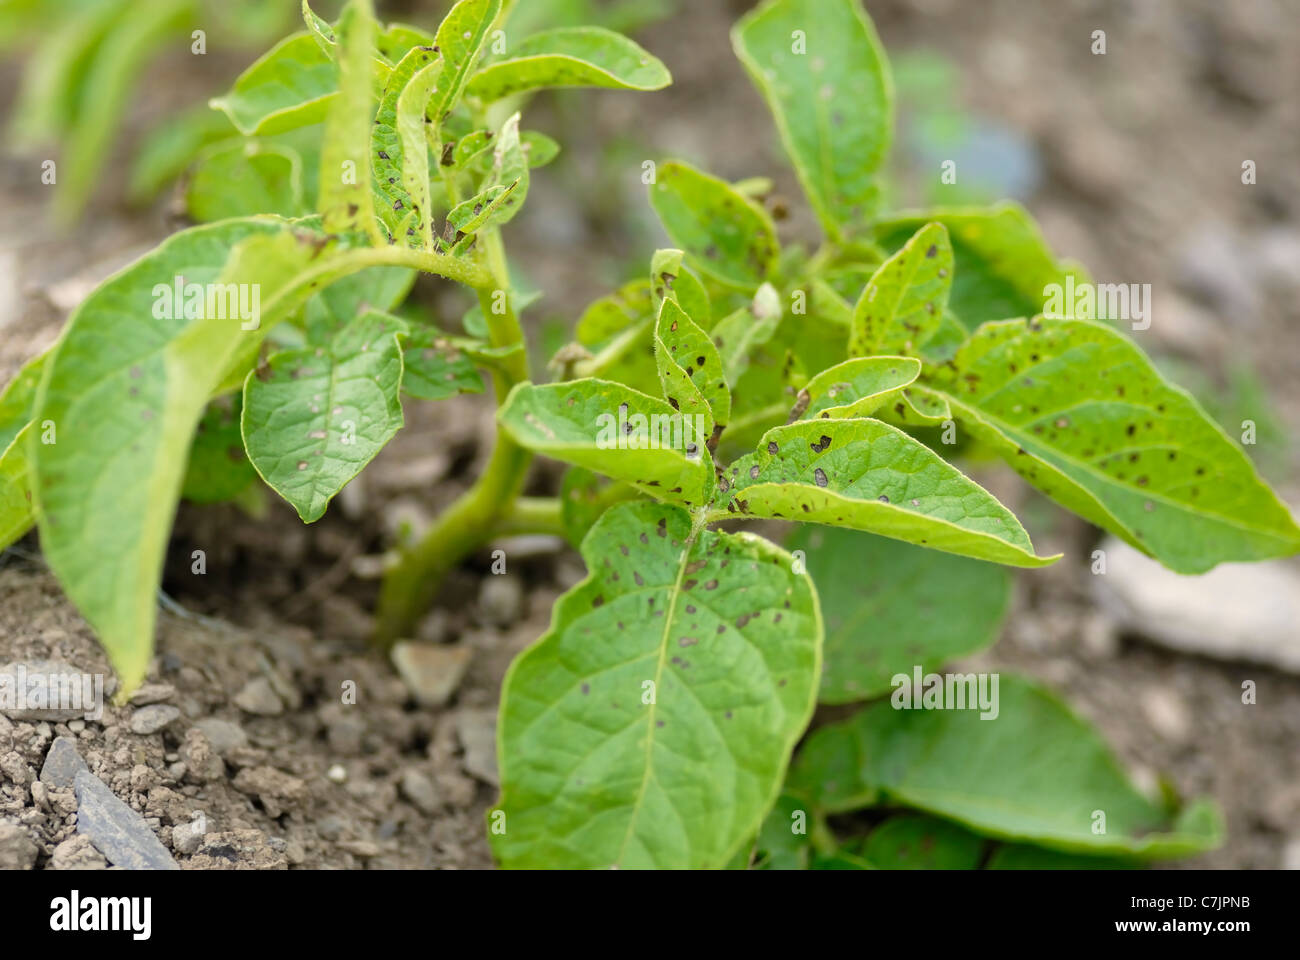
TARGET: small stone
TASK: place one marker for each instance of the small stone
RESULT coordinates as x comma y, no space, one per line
337,773
188,837
419,789
431,673
500,600
17,851
1291,854
276,789
62,763
359,848
76,726
222,734
153,693
477,732
258,697
117,831
152,718
15,768
76,853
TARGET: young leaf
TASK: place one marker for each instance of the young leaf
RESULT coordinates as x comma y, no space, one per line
1001,260
242,179
345,197
388,145
820,66
411,103
651,725
690,369
889,606
125,387
866,475
1079,411
669,277
1036,773
218,468
291,85
16,513
615,431
460,40
910,841
855,388
743,331
509,171
629,306
313,418
726,235
571,57
903,305
436,366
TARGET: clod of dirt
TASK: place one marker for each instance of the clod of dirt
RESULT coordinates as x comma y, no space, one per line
17,851
258,697
153,718
238,850
76,853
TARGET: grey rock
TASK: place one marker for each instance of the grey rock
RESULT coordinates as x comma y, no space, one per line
431,673
188,837
1237,611
222,734
76,853
17,851
152,693
258,697
117,831
152,718
419,789
477,732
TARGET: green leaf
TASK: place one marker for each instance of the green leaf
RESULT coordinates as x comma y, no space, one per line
18,399
783,841
378,288
411,103
743,331
314,418
914,842
1001,260
893,607
291,85
726,235
690,369
242,179
538,148
510,171
1023,856
582,502
125,389
571,57
823,73
470,216
16,513
856,388
346,201
218,467
593,775
615,431
1082,414
436,366
1035,773
866,475
613,314
903,306
389,146
166,151
460,40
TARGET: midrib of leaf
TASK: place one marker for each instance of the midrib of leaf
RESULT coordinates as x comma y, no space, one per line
698,522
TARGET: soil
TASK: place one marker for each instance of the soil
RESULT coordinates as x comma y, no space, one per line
1141,153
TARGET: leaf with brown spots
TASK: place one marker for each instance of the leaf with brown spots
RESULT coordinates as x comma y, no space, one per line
903,305
595,774
690,369
858,387
1080,412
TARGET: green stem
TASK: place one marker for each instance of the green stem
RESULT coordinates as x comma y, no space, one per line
614,352
532,515
411,585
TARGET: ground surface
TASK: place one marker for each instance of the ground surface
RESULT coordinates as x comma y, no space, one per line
1140,154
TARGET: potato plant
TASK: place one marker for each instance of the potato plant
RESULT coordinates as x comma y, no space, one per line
740,379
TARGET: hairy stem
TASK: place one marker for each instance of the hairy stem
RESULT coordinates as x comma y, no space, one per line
411,584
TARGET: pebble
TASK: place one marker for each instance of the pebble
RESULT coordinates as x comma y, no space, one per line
477,732
222,734
188,837
117,831
259,698
153,693
419,789
1167,713
431,673
199,757
500,599
337,773
152,718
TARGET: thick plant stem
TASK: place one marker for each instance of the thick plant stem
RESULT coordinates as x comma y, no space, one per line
533,515
411,585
